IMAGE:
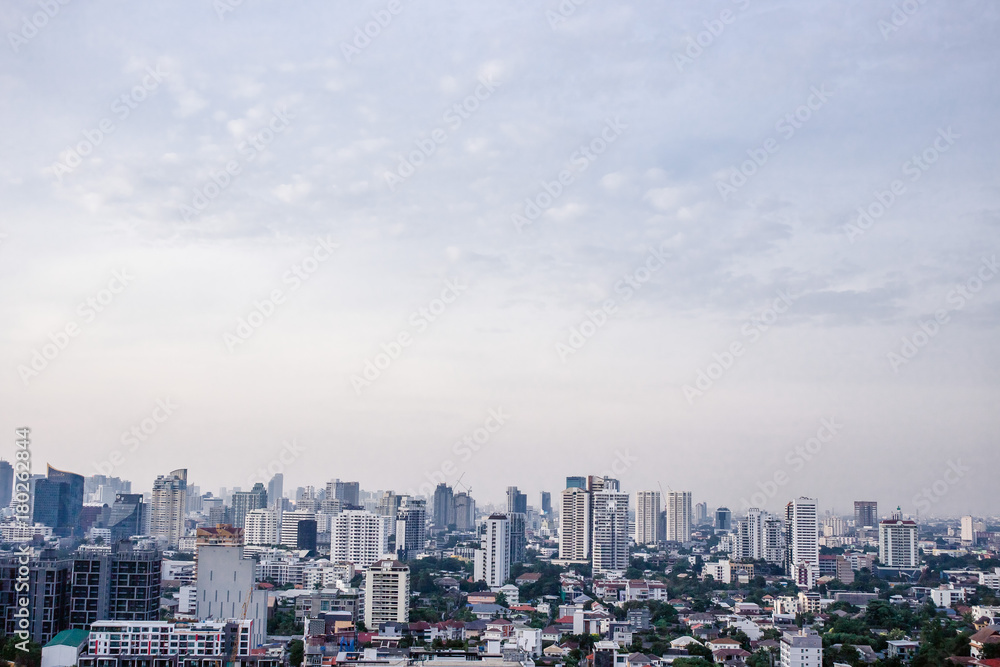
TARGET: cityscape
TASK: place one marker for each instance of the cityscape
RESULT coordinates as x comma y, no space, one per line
95,572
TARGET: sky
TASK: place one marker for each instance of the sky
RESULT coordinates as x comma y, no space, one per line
746,249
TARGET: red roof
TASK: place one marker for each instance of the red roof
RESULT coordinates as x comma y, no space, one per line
564,620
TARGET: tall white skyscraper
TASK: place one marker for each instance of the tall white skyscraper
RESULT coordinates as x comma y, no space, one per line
575,525
678,516
647,517
802,524
359,537
897,541
492,558
609,543
411,528
168,507
968,529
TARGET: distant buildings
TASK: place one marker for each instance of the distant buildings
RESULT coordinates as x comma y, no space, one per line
411,528
897,541
723,519
127,517
387,593
58,502
6,483
865,513
169,504
647,517
465,512
247,501
276,491
444,506
760,536
678,509
492,558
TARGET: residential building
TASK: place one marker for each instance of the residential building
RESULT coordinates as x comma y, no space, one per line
465,512
647,517
492,558
803,648
968,530
897,541
516,501
168,507
802,525
609,542
359,537
48,595
574,525
117,583
678,510
444,506
247,501
518,537
261,528
701,514
387,593
290,527
411,528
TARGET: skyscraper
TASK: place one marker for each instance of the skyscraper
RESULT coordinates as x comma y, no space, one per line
678,509
411,528
897,541
545,501
760,536
444,507
647,517
359,537
465,512
518,537
700,513
609,543
58,502
492,558
276,491
127,517
802,524
723,519
6,483
865,513
388,505
575,525
968,530
245,501
576,483
261,528
348,493
116,584
516,501
169,505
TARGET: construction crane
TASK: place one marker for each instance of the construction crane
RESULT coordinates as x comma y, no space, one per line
458,482
243,617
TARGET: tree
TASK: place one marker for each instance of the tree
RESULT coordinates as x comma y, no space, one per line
692,662
296,651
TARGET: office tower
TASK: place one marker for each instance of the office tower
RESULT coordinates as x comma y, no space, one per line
411,528
678,509
245,501
465,512
359,537
388,505
647,517
574,525
516,501
260,528
168,507
58,502
115,584
6,483
723,519
518,537
609,543
444,508
387,593
289,531
897,541
218,514
227,586
48,595
127,515
802,526
700,513
865,513
576,483
348,493
545,502
276,491
492,558
968,530
305,535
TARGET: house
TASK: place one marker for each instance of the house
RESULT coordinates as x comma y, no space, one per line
556,651
552,633
528,578
730,656
988,635
723,643
487,611
510,593
902,649
684,642
482,597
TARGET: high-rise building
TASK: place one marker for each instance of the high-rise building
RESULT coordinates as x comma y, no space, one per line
518,537
227,585
305,535
276,491
802,526
575,525
168,507
647,517
411,528
260,528
576,483
609,543
465,512
723,519
6,483
545,502
290,527
245,501
516,501
865,513
444,506
116,583
700,514
760,536
897,541
388,505
678,509
387,593
348,493
492,558
127,517
968,530
58,502
48,595
803,648
359,537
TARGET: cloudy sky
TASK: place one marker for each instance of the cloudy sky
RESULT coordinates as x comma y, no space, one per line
590,236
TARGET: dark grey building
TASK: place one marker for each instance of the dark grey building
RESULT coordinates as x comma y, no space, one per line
48,595
115,583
